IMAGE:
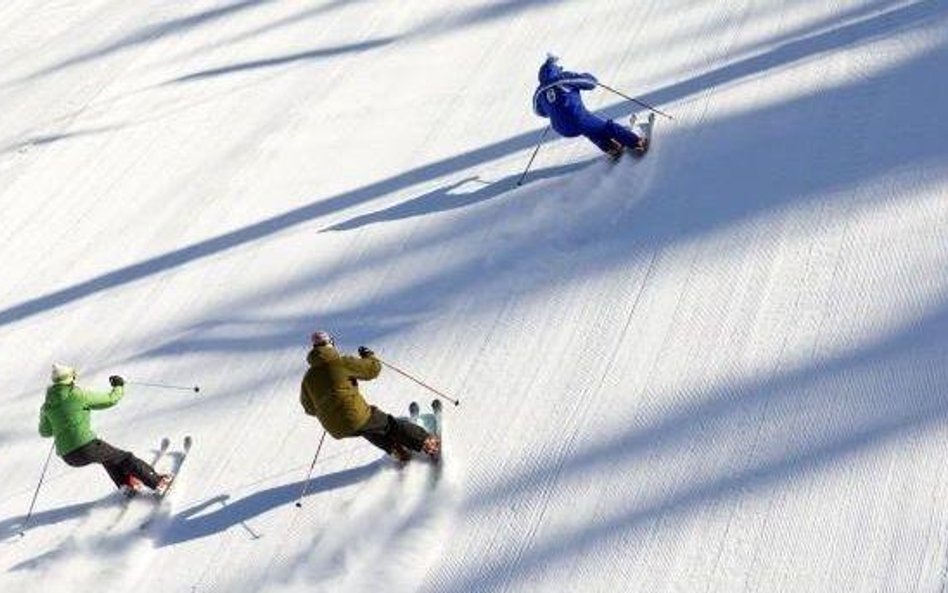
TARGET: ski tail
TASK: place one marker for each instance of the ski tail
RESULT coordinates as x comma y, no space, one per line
162,509
436,414
176,468
645,132
436,408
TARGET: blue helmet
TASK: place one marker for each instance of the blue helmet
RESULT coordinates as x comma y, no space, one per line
550,69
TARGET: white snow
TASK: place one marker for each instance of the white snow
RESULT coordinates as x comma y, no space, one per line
721,368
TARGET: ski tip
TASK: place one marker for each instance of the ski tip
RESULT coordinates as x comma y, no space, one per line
165,443
436,405
187,442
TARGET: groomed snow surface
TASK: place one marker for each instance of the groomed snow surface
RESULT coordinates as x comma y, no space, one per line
721,368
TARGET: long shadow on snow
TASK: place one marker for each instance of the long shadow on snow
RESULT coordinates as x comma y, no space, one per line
298,17
180,25
282,60
863,30
54,137
148,34
923,113
193,523
466,19
813,420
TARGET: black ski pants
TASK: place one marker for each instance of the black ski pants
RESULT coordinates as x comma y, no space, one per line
385,431
118,463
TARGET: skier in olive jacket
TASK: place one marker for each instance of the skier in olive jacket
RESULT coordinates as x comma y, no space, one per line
330,391
65,415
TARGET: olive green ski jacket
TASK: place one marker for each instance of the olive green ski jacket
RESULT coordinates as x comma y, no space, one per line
330,389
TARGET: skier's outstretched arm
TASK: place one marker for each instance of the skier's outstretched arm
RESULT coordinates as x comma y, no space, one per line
97,400
585,81
364,369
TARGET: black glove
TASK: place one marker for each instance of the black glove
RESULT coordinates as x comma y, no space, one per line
116,381
364,352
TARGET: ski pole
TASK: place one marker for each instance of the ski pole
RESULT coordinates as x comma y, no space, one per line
533,156
29,513
299,502
642,103
194,388
422,383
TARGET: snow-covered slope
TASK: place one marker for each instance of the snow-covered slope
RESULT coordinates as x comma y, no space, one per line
719,368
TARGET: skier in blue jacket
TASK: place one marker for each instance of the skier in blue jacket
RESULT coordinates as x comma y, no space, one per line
558,98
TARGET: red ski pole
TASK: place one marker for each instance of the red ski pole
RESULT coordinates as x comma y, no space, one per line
422,383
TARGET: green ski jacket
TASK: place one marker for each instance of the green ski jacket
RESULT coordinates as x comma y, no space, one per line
65,414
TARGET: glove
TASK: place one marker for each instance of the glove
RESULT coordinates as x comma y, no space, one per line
364,352
116,381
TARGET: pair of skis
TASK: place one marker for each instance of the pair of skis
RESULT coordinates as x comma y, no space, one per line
178,459
429,421
641,129
644,131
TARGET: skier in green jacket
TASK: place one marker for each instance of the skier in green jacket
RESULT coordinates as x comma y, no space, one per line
330,391
65,415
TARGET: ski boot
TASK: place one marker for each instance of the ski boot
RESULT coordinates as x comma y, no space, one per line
643,131
164,482
132,486
642,147
614,153
432,447
400,454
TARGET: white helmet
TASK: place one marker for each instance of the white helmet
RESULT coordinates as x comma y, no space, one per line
63,374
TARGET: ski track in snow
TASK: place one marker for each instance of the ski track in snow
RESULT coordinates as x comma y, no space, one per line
110,546
385,539
98,553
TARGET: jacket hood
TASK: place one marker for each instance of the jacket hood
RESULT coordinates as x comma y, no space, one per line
57,392
549,71
320,355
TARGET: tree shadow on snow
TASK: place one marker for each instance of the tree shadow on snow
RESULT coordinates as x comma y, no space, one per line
283,60
149,34
813,421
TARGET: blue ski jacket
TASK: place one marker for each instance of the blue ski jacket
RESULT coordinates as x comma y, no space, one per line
558,98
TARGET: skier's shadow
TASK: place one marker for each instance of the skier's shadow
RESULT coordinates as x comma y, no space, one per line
456,195
193,523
